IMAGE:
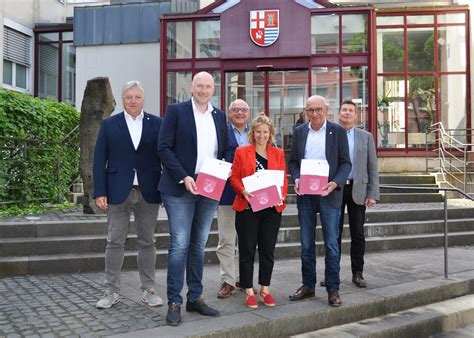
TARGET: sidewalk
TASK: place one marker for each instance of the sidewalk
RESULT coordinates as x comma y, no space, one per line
64,305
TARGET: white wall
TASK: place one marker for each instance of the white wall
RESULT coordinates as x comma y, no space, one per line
121,63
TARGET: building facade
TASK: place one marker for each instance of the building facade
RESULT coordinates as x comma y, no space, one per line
407,64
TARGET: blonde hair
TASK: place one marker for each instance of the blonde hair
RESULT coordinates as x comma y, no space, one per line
261,118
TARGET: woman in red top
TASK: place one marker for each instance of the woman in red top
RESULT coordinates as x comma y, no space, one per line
261,227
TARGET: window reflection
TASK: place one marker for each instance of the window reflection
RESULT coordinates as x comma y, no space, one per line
420,49
178,87
355,87
391,112
326,83
48,60
354,33
390,43
325,34
208,39
452,103
178,40
452,48
248,86
421,108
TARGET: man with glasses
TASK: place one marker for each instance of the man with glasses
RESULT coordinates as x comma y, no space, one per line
237,128
320,139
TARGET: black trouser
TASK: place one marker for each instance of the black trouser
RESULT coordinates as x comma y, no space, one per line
356,225
257,228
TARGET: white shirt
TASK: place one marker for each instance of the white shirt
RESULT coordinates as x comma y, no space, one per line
206,135
316,143
135,127
351,141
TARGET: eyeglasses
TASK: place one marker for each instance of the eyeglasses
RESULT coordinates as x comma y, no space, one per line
314,110
241,110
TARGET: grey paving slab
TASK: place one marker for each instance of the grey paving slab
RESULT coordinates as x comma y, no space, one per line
64,304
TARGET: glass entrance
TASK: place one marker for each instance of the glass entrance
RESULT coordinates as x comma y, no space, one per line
280,94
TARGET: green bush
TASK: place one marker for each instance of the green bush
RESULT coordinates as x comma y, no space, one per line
35,162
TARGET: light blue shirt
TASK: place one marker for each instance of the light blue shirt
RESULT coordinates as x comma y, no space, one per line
241,137
351,140
316,143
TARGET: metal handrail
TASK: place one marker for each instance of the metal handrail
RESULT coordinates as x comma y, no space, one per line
452,154
445,200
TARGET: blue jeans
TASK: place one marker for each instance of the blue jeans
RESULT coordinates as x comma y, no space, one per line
308,206
190,218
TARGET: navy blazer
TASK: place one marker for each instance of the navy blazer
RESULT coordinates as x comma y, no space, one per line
228,195
177,145
116,160
337,155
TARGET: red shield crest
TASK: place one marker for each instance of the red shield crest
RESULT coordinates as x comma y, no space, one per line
264,26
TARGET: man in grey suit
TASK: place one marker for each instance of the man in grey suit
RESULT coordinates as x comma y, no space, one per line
320,139
362,187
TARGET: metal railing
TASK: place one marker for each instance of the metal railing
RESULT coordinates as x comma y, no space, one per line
445,201
33,170
453,156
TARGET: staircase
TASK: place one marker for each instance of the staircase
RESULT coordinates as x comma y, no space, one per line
36,247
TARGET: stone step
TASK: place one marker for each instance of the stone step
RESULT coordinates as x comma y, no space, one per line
96,243
409,191
463,332
94,261
406,179
423,321
410,198
98,225
405,197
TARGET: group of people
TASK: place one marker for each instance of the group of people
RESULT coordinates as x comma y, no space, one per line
141,161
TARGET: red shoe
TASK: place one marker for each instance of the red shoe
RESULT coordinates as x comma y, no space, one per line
267,299
251,302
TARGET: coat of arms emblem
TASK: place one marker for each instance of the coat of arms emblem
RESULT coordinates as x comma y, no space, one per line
313,184
264,26
209,185
262,198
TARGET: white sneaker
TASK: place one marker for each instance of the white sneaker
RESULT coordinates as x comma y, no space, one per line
151,297
108,299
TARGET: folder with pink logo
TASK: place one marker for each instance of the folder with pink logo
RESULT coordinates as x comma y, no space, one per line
265,186
212,177
313,176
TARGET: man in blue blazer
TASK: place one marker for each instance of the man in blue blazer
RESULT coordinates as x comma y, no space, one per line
126,175
237,129
192,131
320,139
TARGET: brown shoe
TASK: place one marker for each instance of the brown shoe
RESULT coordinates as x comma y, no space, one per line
359,280
302,293
226,290
334,299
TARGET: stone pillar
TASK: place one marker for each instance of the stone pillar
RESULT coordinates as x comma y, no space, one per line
98,104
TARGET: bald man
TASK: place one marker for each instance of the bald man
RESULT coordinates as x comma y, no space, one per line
320,139
192,131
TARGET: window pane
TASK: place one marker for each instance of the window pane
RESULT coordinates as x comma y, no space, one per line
390,20
421,108
390,50
326,83
355,87
247,86
420,19
325,34
68,36
21,74
69,73
452,48
391,112
420,49
208,35
452,101
49,37
7,72
452,18
178,87
179,40
48,60
216,98
354,33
